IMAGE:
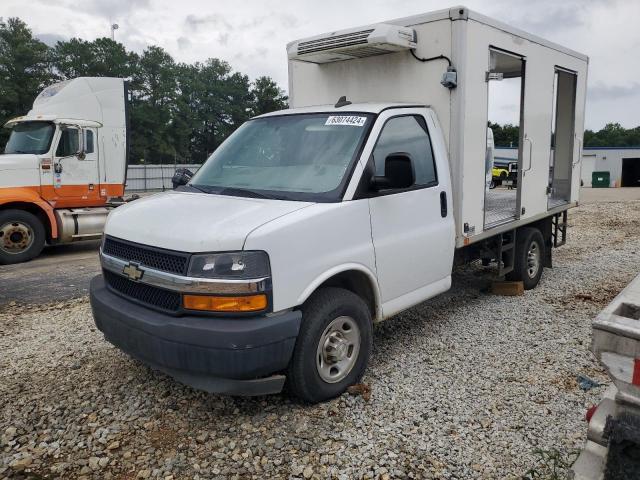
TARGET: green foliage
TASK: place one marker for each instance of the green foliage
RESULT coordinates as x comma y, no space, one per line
505,135
179,112
267,96
101,58
551,465
612,135
25,69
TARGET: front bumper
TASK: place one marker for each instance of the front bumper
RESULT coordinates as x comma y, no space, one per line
235,356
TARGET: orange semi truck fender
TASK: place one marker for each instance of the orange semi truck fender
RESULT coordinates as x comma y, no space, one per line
31,196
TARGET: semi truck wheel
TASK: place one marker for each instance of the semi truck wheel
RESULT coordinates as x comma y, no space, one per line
333,345
529,257
22,236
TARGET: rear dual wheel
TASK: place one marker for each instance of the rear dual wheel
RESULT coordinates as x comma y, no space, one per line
22,236
333,345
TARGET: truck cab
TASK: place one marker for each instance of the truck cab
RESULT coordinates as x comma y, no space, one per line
62,163
295,207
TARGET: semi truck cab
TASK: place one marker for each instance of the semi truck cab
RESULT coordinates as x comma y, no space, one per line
62,164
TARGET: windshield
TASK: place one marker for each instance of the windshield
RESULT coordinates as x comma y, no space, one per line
294,157
30,137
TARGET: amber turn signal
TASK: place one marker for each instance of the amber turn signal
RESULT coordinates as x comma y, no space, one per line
209,303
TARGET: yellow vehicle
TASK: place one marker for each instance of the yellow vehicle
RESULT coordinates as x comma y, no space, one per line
499,172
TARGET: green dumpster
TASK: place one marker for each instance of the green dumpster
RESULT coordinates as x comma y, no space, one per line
600,179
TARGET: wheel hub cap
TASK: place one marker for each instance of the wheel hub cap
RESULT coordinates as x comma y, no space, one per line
15,237
338,349
335,347
533,260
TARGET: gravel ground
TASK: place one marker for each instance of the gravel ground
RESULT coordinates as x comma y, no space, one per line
467,385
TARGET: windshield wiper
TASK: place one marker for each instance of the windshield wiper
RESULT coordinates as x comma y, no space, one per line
191,185
234,191
245,192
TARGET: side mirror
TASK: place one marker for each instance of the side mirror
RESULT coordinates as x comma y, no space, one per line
398,173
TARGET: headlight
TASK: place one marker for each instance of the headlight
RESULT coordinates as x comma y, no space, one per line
230,265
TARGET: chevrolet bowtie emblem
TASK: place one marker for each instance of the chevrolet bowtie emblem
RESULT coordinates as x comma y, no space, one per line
132,271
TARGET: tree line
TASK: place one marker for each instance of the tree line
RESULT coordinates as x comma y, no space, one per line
178,111
611,135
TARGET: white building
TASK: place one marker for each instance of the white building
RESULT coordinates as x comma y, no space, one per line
622,164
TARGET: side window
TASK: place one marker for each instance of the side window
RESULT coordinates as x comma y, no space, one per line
88,141
407,134
68,144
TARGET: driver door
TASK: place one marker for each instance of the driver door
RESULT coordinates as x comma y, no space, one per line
412,228
75,176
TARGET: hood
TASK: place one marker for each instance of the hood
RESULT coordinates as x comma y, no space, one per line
19,161
194,222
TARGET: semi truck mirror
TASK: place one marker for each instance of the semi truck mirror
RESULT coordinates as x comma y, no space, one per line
398,173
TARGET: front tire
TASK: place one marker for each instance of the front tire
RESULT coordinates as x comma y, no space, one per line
529,257
22,236
333,345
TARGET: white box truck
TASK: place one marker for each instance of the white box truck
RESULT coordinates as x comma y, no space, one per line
310,224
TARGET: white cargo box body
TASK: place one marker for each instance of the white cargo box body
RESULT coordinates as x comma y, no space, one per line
467,39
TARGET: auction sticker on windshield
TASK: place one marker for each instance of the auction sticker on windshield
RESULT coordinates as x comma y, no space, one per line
351,120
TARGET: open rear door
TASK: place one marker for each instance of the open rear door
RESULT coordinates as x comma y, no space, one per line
505,83
563,156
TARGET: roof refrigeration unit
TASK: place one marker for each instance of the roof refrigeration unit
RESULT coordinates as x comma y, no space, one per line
378,39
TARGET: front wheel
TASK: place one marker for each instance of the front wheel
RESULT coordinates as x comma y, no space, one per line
22,236
529,257
333,345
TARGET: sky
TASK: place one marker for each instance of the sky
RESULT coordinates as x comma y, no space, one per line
252,34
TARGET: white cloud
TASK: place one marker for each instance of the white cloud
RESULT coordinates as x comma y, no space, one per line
251,35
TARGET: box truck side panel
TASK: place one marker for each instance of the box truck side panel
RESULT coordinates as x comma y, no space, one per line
537,108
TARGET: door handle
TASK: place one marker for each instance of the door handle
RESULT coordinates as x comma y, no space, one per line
525,170
443,204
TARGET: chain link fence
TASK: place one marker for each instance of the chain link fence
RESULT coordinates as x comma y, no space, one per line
153,178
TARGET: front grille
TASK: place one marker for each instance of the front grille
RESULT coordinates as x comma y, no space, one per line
159,259
148,294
